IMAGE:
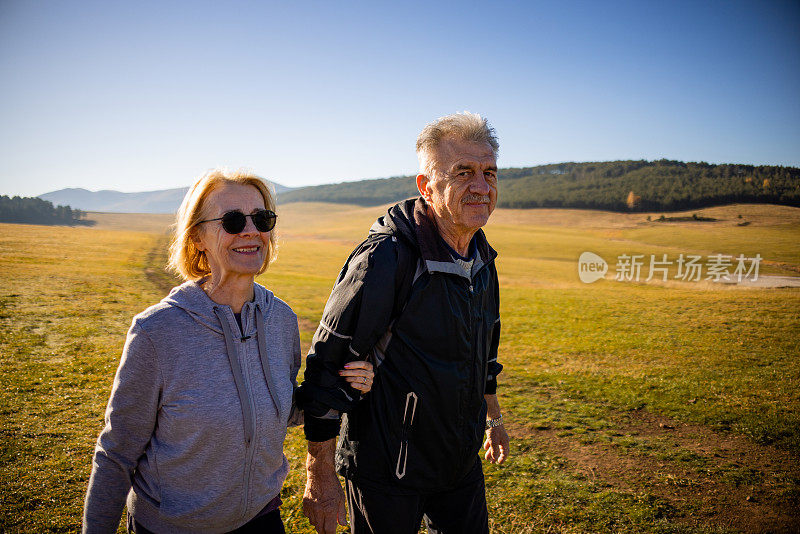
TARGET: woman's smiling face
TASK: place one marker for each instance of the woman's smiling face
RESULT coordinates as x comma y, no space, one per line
232,255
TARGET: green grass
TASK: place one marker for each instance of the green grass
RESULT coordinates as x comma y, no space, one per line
66,299
587,367
648,347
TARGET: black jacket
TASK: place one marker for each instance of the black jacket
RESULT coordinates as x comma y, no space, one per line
434,346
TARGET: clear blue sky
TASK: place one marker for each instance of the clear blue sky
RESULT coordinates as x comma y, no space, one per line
136,96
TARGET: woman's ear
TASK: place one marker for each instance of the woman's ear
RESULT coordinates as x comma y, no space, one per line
196,237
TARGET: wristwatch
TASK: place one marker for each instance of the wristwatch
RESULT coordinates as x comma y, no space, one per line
491,423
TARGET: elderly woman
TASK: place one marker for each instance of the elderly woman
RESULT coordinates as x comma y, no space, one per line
204,391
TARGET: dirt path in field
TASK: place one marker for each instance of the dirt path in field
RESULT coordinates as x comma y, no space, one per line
732,482
155,266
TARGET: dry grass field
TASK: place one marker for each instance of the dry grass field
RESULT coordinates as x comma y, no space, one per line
644,406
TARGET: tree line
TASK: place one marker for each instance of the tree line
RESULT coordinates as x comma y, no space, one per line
662,185
32,210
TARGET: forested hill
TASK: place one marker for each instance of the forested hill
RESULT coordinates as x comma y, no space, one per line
32,210
662,185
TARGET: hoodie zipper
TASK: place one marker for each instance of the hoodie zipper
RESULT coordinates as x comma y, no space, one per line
233,346
250,445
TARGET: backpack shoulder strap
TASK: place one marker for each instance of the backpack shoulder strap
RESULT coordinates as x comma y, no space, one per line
404,277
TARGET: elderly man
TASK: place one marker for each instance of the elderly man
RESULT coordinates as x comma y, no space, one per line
420,298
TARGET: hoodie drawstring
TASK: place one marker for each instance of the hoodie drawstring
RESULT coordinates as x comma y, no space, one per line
238,378
262,352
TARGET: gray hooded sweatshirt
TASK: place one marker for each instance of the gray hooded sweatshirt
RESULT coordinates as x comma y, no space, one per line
197,415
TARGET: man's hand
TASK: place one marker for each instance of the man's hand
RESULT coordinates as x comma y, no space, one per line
496,445
323,500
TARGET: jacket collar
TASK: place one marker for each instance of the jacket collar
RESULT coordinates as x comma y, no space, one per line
433,249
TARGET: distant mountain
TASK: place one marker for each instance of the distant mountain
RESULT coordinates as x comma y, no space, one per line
631,185
662,185
164,201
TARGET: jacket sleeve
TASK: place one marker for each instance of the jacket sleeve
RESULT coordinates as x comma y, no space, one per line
494,367
358,312
129,422
296,415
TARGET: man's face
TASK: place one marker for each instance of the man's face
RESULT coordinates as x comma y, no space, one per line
463,191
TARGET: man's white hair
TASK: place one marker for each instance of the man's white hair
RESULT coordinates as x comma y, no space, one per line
465,126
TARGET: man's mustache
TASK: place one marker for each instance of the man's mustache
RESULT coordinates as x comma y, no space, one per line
475,199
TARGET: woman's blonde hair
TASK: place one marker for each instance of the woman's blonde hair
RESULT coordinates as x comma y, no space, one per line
185,259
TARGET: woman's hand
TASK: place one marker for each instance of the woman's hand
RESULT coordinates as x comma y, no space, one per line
359,374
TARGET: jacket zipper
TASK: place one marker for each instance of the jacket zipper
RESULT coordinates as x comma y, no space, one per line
474,325
472,360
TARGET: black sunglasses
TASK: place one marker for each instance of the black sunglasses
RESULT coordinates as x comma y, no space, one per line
234,222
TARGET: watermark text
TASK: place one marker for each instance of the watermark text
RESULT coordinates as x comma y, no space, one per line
684,267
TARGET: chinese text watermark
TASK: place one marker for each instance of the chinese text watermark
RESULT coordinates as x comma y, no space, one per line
685,267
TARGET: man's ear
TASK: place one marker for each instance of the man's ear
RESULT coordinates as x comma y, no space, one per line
422,186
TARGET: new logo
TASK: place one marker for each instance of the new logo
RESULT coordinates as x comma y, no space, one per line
591,267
